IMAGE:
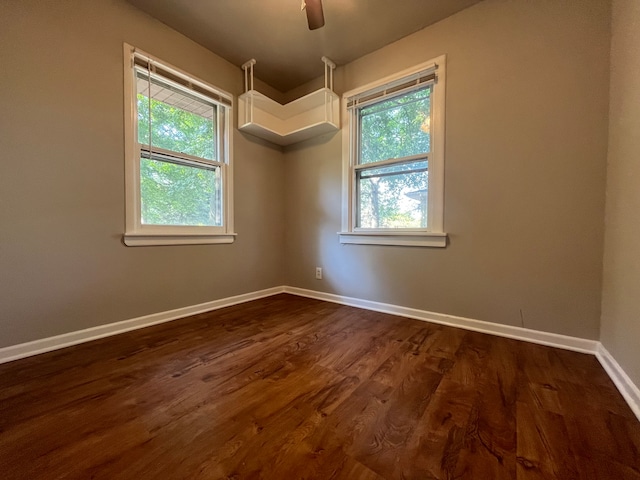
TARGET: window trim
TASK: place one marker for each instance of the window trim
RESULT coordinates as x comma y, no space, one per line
433,235
137,234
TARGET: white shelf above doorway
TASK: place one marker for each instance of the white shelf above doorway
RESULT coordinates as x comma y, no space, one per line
310,116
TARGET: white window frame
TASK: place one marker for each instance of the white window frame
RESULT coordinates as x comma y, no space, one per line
138,234
433,235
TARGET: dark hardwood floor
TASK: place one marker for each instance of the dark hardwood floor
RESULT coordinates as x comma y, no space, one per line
292,388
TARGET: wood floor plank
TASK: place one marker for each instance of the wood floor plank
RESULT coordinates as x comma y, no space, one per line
439,435
382,443
293,388
490,443
544,449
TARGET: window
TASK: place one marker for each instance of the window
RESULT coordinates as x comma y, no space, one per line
393,157
178,159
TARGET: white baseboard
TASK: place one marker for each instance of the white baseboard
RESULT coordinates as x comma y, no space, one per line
625,385
518,333
15,352
627,388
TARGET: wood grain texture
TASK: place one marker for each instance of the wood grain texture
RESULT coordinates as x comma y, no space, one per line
293,388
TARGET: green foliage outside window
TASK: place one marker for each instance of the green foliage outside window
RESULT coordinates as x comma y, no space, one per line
395,196
178,193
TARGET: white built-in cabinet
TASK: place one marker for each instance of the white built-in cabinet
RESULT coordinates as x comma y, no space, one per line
314,114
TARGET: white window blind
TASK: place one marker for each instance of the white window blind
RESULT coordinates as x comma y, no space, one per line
147,65
405,85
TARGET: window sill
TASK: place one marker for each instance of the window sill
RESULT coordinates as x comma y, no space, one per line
141,240
408,239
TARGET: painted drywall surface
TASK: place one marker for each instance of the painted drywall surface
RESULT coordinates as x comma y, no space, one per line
63,266
526,146
620,324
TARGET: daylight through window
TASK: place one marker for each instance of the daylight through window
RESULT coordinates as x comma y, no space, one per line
393,167
178,158
394,154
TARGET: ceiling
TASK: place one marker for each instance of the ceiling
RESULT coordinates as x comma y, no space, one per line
275,32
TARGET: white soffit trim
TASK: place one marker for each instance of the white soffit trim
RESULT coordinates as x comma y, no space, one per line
15,352
518,333
625,385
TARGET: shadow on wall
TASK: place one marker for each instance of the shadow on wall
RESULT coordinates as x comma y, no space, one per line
314,182
258,141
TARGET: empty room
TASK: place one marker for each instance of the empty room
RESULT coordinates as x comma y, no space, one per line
320,239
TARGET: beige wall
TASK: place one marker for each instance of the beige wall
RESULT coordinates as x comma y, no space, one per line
620,324
63,266
526,142
527,108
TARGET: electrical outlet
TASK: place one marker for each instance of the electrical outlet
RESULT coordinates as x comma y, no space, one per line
318,273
